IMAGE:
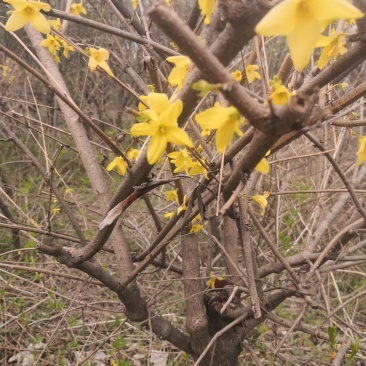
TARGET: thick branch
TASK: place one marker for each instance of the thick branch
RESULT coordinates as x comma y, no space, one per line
196,320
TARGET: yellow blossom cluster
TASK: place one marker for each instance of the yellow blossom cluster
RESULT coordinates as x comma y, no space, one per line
302,22
28,12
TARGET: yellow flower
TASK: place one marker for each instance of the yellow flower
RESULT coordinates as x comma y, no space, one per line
169,215
76,9
56,58
181,160
160,122
179,72
28,12
237,75
334,45
205,133
251,73
171,195
225,120
203,87
197,168
195,228
197,218
99,58
52,44
361,153
262,166
183,206
212,280
302,21
67,48
56,24
207,8
120,163
133,154
261,200
5,69
280,94
56,210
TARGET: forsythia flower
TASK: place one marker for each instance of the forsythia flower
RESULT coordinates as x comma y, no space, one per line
181,160
160,122
52,44
197,168
65,45
183,206
212,280
197,218
133,154
251,73
237,75
302,21
203,87
224,120
334,46
171,195
169,215
280,94
99,58
56,24
76,9
28,12
179,72
56,210
195,228
261,200
361,153
262,166
5,69
207,8
120,163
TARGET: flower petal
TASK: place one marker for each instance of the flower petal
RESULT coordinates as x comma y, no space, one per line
156,148
158,102
92,64
212,118
170,116
181,61
262,166
16,21
37,5
106,68
207,8
179,137
280,20
143,129
361,153
223,137
103,54
307,30
39,22
177,76
329,10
